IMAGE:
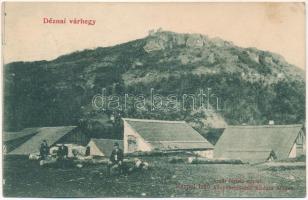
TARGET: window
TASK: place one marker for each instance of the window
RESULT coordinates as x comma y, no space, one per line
132,143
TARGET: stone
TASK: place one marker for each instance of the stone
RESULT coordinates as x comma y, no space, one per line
194,40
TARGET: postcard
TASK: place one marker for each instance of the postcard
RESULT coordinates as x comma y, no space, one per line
169,99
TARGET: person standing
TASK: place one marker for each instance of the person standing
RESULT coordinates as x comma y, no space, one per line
116,159
44,150
62,152
62,155
87,153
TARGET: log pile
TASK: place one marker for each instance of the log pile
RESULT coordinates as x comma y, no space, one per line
198,160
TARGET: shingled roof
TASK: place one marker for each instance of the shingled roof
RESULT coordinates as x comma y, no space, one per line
9,136
256,142
51,134
168,135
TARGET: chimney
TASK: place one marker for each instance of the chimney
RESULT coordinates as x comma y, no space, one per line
271,122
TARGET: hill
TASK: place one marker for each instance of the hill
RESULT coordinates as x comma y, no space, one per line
252,86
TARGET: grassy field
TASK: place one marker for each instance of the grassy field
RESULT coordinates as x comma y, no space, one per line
24,178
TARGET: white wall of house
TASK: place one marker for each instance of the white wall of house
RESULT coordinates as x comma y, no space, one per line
4,149
94,151
293,151
299,147
301,144
141,144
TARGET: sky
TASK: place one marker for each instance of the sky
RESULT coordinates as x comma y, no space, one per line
275,27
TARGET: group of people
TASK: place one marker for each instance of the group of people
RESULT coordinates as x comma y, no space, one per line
62,151
115,160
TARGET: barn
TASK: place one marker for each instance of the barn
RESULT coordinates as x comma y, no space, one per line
261,143
103,147
141,135
53,136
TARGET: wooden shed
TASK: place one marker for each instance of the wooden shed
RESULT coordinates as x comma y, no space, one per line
260,143
158,135
53,136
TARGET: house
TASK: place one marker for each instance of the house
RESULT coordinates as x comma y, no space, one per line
261,143
103,147
53,136
12,140
157,135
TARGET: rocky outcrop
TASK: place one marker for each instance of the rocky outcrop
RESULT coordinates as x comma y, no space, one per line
179,40
194,40
161,40
253,56
154,44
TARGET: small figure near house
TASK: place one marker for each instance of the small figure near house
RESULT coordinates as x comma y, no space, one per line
44,150
62,155
116,159
62,152
272,156
87,151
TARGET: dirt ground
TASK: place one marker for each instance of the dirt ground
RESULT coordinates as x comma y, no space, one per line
24,178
